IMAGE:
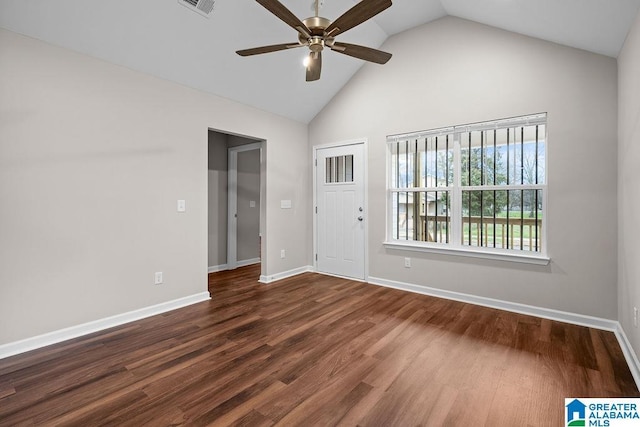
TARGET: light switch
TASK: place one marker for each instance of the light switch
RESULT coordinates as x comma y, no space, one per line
252,203
182,206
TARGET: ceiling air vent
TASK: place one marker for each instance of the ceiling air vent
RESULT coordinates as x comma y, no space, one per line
203,7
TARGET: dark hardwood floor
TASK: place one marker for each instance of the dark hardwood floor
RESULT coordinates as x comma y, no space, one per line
316,350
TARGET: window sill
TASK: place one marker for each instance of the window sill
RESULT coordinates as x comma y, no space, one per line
500,256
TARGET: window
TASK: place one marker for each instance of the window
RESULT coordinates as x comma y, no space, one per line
339,169
477,188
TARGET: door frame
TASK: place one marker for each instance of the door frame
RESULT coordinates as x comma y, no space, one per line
365,162
232,199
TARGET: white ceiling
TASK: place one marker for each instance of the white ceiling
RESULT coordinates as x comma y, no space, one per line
165,39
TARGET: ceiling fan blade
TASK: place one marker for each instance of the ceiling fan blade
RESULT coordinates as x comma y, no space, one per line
278,9
267,49
362,52
314,67
359,13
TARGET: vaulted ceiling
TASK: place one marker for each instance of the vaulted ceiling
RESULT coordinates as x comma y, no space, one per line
165,39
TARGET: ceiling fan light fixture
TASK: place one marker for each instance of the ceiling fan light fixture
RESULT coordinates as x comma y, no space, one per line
316,44
318,32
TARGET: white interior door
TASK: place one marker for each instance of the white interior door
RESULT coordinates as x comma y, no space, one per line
341,217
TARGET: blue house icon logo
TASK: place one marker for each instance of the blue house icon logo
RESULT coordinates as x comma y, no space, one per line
576,413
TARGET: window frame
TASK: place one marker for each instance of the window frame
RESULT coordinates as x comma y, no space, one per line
455,245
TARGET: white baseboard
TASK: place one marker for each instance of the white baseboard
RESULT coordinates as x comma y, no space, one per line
216,268
55,337
629,354
279,276
246,262
545,313
243,263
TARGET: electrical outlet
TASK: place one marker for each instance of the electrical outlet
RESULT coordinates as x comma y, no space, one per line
407,262
282,253
158,278
635,316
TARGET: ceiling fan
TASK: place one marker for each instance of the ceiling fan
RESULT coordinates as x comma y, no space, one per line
317,32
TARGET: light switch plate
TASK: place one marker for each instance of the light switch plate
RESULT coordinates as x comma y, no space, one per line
285,204
182,206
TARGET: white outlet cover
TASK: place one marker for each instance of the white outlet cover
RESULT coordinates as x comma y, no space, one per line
285,204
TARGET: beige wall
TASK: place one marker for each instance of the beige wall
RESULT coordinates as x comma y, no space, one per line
629,182
93,157
453,71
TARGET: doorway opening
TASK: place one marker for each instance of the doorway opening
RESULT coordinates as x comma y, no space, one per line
236,194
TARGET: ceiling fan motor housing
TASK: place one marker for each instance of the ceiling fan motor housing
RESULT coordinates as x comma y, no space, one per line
316,25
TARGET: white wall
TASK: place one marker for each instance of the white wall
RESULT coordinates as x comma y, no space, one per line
629,182
93,157
453,71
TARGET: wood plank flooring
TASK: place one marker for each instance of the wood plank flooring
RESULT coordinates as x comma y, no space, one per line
316,350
